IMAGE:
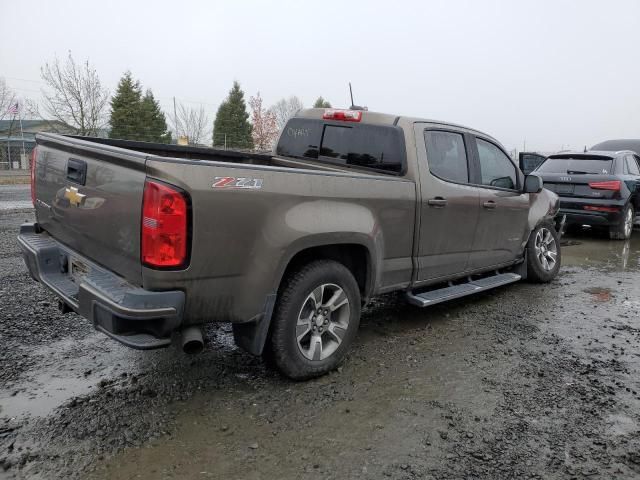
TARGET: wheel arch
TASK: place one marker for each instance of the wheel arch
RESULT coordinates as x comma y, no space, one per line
356,253
356,256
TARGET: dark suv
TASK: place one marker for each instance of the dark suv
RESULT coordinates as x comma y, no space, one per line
596,188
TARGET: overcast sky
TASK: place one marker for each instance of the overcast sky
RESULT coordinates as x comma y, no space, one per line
555,73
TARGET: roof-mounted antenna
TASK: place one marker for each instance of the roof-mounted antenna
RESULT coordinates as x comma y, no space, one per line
353,105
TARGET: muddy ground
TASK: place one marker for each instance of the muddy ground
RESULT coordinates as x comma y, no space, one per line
526,381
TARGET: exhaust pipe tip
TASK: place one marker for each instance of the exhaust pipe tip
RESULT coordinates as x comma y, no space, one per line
192,341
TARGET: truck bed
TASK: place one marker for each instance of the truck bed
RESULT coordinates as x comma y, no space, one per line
189,152
183,151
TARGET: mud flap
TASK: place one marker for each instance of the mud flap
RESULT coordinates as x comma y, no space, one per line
521,268
251,336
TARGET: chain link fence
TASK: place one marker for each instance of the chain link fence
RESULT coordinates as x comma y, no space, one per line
15,155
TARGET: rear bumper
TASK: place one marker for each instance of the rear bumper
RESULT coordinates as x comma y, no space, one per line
574,209
604,219
133,316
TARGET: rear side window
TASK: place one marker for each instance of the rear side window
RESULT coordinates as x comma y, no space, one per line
495,167
447,156
631,166
371,146
577,165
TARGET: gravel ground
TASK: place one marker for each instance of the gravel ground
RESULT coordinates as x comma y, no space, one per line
526,381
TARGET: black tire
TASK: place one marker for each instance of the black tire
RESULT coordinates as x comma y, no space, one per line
296,298
539,268
622,231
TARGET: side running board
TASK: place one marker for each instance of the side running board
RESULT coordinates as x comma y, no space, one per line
462,290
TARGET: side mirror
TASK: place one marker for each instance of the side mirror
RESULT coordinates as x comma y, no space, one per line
532,184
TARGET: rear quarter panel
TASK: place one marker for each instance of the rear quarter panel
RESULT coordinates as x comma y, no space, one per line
242,239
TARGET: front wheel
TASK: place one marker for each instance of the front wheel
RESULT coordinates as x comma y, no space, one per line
543,254
622,231
315,321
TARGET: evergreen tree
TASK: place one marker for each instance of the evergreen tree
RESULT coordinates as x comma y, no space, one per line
321,103
126,112
232,121
154,123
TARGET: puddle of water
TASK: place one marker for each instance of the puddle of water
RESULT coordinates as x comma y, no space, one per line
51,392
600,294
588,249
74,369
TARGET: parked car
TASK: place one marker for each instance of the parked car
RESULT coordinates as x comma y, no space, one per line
596,188
529,161
147,240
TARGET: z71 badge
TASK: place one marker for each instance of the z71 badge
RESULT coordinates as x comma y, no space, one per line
237,182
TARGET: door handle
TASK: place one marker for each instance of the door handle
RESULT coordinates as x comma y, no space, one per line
489,204
437,202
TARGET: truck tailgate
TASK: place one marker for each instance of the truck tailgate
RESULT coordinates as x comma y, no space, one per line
89,197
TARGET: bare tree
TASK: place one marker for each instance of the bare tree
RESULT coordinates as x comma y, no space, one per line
285,109
192,123
265,129
75,95
7,98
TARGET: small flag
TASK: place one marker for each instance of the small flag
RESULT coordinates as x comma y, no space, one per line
13,109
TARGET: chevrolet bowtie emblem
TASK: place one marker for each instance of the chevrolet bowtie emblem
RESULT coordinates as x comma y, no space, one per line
75,198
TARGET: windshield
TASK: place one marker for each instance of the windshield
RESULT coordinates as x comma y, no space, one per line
600,166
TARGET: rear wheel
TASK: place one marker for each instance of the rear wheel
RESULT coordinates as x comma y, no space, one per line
543,254
622,231
315,321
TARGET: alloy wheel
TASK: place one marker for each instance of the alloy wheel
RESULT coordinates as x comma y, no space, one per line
546,249
322,322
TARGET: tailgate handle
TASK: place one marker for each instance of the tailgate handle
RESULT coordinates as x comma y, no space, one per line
77,171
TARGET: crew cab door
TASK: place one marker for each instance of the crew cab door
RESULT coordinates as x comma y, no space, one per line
449,204
504,209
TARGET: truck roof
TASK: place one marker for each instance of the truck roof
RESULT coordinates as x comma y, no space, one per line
379,118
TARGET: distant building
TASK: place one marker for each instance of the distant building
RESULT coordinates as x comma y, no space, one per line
16,145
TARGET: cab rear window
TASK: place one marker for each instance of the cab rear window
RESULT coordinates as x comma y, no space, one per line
374,147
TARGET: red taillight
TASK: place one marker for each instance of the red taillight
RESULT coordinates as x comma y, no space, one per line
33,176
164,226
609,185
595,208
344,115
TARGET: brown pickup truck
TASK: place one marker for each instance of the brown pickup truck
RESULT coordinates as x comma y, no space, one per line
149,242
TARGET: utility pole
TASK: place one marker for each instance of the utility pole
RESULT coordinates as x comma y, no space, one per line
10,167
175,119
